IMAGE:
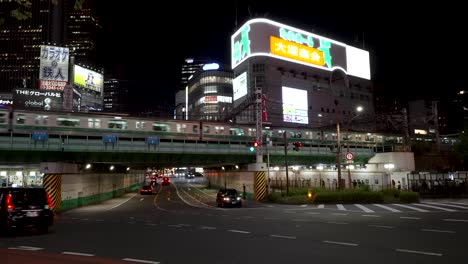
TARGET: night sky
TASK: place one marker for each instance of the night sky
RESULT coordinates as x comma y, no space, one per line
416,51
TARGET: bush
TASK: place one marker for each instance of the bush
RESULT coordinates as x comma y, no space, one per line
272,197
349,196
409,197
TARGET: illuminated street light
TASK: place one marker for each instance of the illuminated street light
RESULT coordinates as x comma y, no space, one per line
111,167
128,168
88,166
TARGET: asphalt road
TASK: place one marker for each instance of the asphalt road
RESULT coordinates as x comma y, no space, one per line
180,224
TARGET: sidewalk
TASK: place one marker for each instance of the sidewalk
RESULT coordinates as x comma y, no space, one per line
445,200
103,206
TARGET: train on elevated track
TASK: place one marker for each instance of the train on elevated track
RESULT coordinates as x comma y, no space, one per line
79,124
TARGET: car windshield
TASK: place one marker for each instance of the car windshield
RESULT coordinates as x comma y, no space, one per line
146,187
231,192
25,197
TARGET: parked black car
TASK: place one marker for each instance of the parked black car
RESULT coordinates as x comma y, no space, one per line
25,207
228,197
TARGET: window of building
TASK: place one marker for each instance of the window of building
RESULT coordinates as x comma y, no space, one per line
258,67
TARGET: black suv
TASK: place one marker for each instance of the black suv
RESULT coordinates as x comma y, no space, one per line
228,197
25,207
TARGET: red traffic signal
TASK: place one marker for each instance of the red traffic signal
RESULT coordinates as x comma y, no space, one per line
256,144
297,145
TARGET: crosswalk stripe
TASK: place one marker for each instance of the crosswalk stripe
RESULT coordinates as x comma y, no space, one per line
436,207
449,205
458,203
321,206
341,207
411,207
365,209
388,208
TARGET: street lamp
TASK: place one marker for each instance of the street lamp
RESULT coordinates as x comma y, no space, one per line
359,109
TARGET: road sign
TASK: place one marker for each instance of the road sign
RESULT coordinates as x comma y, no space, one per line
349,156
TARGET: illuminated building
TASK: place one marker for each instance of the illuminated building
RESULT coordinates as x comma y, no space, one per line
115,95
306,80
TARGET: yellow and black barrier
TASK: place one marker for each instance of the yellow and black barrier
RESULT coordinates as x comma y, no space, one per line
260,185
52,183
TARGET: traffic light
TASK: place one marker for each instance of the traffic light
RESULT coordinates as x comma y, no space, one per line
256,144
297,146
252,149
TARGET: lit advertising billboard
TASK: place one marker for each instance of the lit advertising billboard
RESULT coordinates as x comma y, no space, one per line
40,100
88,79
239,86
295,106
53,71
263,37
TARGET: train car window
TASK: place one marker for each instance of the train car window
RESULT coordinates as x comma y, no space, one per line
161,127
206,129
369,138
20,119
348,137
118,124
235,131
379,139
252,132
195,129
219,130
94,123
41,120
2,118
71,122
358,137
140,124
181,128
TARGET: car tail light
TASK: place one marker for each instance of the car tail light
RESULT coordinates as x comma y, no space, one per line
8,202
49,201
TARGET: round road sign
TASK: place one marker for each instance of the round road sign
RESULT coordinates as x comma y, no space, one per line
349,156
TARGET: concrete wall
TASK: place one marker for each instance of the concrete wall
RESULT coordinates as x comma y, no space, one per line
234,179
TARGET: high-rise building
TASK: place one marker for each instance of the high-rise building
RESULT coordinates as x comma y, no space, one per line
189,67
115,95
83,28
20,39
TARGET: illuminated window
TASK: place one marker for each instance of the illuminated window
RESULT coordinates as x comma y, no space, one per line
70,122
161,127
140,124
181,128
20,119
117,124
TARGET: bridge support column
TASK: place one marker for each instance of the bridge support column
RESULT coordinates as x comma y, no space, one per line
260,183
52,183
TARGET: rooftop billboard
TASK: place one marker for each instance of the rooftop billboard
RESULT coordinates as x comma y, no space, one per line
88,79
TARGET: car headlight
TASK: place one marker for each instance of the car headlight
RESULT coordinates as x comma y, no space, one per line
238,198
226,198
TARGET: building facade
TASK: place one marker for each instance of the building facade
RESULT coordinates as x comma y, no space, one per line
306,80
209,93
116,95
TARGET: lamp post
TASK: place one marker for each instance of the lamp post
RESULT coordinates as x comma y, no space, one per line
338,143
359,109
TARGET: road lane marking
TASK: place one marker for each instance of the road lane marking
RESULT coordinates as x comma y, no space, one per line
337,223
382,226
388,208
26,248
141,261
410,217
449,205
365,209
411,207
437,207
238,231
341,207
78,254
271,218
303,205
456,220
115,206
321,206
371,215
289,212
438,231
339,214
141,199
420,252
300,220
340,243
312,213
285,237
458,203
208,227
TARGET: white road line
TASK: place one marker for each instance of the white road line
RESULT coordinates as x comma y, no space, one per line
141,199
115,206
458,203
371,215
339,214
300,220
456,220
411,207
208,227
312,213
340,243
410,217
321,206
419,252
303,205
365,209
238,231
436,207
286,237
341,207
381,226
26,248
337,223
388,208
449,205
140,261
438,231
77,254
270,218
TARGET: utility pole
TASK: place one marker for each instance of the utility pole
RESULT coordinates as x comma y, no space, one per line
338,142
436,124
286,160
407,140
258,121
